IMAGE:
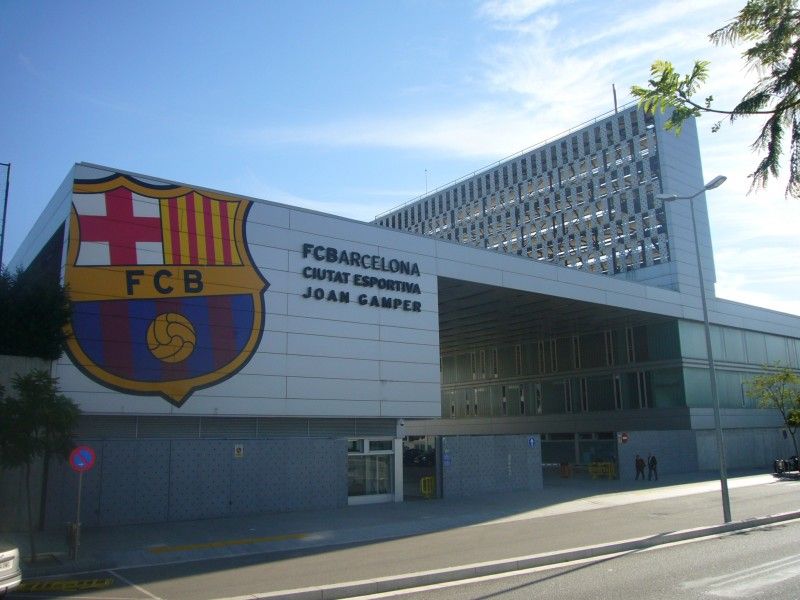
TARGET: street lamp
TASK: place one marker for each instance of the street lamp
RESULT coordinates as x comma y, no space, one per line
723,472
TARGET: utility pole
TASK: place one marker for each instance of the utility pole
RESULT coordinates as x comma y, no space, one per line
5,210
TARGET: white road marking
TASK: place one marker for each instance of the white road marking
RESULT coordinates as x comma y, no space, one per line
50,595
746,582
133,585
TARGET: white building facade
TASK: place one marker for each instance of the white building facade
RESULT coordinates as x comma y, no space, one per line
232,355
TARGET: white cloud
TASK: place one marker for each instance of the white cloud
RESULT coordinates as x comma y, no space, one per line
513,10
489,132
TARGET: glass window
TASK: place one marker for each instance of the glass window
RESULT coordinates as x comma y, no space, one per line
380,445
667,388
756,348
600,393
630,390
370,474
777,350
564,360
729,389
693,340
552,397
698,387
734,345
592,351
662,341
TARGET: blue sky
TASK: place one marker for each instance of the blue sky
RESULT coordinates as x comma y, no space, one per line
344,106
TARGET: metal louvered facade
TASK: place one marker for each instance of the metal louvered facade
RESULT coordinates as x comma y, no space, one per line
586,200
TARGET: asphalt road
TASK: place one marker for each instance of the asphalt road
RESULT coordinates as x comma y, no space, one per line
754,564
509,537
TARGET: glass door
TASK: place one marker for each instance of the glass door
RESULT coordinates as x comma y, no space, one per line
370,470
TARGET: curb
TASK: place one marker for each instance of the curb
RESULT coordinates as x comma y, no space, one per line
398,582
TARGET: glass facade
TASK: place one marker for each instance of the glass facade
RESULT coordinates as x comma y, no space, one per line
658,365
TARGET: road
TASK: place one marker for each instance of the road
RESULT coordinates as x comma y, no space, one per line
511,536
753,564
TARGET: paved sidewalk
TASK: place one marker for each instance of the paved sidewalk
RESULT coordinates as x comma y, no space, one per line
164,543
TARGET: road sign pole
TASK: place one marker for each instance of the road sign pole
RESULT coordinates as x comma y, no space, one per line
78,516
81,459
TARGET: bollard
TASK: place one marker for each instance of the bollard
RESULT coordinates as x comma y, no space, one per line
427,486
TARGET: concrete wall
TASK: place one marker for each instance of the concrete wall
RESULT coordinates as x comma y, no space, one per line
744,448
692,451
146,481
675,451
485,464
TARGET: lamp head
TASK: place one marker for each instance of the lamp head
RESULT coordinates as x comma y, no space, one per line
714,183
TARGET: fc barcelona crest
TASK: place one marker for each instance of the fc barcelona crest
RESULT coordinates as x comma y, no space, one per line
166,299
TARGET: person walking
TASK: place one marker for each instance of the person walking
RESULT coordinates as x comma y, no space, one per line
639,463
652,468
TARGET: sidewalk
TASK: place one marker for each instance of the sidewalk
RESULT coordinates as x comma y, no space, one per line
163,543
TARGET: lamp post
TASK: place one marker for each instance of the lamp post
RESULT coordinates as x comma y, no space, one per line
5,210
723,471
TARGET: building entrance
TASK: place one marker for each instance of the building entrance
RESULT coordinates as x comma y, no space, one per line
419,467
574,454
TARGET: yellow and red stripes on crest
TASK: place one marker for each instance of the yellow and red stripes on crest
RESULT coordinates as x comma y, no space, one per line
199,231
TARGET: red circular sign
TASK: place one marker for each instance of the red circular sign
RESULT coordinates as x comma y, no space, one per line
81,458
623,437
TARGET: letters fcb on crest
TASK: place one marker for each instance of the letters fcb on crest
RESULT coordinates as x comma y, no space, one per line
166,298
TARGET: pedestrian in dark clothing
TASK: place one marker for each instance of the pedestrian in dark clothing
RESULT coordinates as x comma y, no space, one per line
652,467
639,462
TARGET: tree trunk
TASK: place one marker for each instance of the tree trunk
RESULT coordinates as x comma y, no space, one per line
30,511
43,495
794,441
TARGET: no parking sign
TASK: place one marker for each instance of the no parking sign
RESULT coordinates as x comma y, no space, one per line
82,459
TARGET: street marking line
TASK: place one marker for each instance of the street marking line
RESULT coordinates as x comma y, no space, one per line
64,585
226,543
744,583
742,573
133,585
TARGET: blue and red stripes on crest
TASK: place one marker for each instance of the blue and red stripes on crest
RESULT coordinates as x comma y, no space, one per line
113,334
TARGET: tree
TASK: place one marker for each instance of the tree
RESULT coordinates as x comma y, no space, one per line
37,422
773,29
35,309
781,390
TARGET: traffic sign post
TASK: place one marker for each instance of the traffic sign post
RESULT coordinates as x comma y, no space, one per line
81,459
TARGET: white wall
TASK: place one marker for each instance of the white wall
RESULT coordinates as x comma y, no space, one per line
316,358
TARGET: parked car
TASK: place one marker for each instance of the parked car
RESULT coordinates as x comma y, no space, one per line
10,573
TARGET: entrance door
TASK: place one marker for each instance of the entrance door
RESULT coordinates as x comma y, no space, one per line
419,467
